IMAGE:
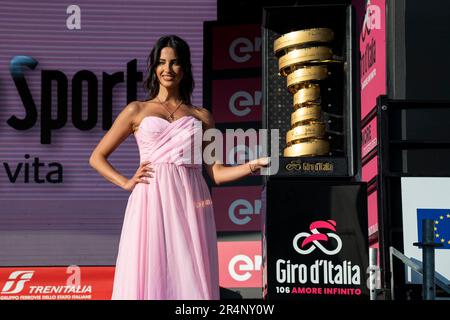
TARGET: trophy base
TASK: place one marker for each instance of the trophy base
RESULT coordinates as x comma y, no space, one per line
312,167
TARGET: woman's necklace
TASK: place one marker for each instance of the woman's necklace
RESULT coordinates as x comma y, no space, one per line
170,117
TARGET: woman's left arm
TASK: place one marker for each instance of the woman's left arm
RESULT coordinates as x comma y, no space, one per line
220,173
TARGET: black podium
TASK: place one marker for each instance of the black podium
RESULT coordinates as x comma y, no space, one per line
315,241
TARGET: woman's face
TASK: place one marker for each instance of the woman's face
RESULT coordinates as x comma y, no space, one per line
168,69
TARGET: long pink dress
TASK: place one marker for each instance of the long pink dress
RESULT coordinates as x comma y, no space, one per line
168,245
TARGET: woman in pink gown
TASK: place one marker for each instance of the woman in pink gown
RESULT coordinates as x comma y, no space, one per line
168,244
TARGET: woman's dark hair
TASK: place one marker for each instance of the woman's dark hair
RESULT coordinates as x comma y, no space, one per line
151,83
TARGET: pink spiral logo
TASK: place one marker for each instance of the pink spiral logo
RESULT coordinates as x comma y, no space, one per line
316,238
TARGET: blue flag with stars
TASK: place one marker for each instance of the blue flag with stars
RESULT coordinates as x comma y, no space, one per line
441,219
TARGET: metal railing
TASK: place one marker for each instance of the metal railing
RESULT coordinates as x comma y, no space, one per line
427,268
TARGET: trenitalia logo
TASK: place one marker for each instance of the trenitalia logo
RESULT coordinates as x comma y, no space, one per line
315,236
16,281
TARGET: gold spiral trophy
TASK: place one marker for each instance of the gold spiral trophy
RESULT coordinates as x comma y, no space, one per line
303,59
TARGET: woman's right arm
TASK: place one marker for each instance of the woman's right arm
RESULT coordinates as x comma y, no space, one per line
119,131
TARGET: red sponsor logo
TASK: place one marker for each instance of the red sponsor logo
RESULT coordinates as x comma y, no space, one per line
240,264
56,283
16,281
237,100
236,47
237,208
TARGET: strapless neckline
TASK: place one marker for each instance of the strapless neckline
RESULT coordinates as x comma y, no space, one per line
162,119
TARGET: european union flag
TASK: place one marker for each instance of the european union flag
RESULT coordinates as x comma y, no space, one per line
441,219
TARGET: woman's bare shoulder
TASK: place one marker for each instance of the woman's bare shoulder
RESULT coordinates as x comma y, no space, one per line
201,111
138,109
133,108
205,116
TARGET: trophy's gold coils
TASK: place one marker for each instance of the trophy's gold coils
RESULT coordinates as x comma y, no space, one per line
303,59
300,133
294,39
302,77
308,95
313,147
298,57
305,114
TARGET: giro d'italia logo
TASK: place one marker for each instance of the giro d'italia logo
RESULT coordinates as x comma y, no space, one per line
317,240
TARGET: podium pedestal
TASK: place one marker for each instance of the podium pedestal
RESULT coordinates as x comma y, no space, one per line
315,242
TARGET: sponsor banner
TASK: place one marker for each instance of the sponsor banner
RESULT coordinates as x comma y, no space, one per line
56,283
237,208
373,55
372,204
240,264
236,47
237,100
316,243
418,205
370,169
369,136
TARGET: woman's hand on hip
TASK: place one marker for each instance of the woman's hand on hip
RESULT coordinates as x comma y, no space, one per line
140,176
